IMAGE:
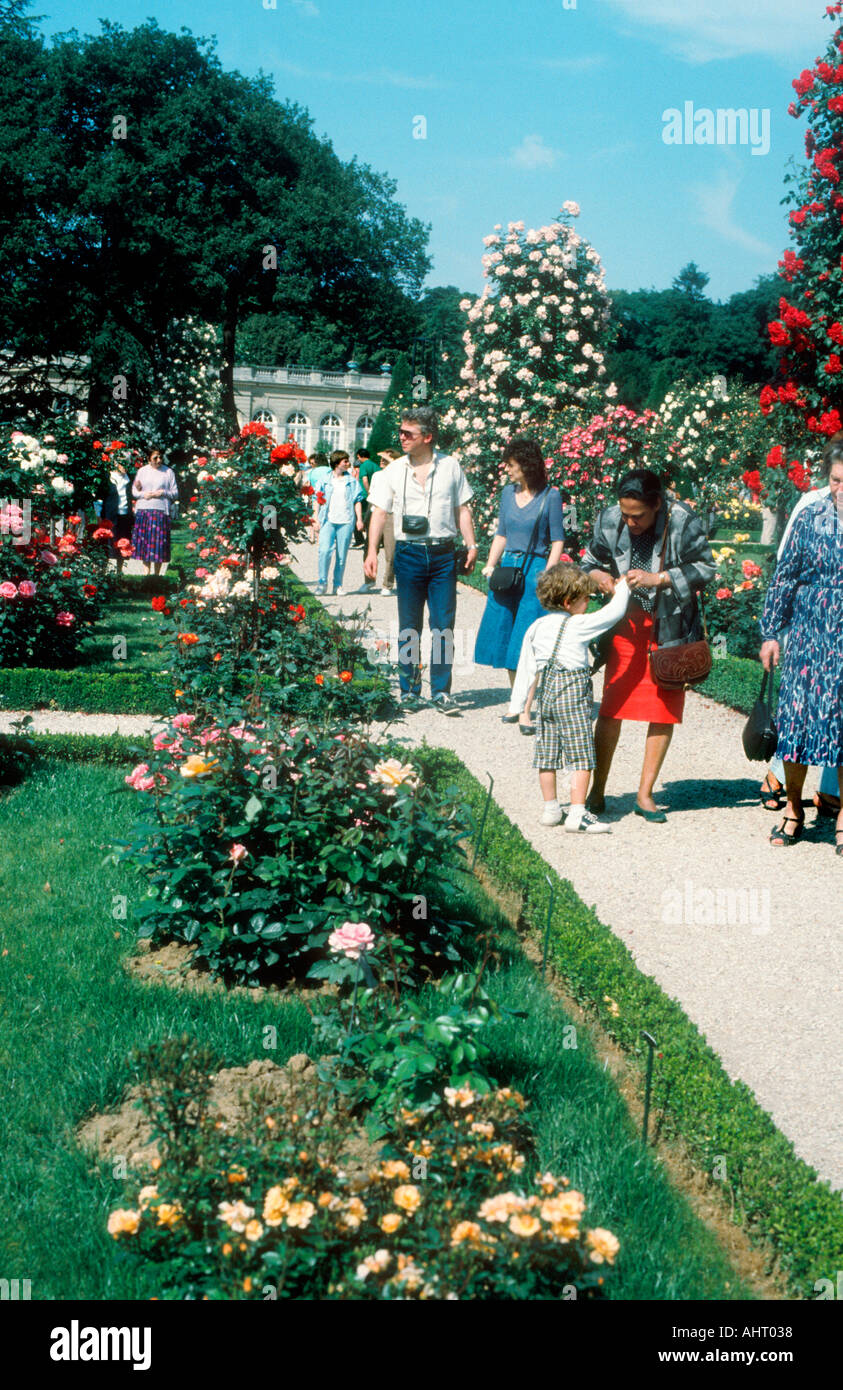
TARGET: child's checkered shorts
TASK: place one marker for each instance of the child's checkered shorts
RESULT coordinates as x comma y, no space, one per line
564,736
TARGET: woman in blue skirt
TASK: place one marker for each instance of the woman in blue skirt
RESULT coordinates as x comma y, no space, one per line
526,500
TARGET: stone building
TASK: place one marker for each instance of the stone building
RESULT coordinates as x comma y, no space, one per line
337,409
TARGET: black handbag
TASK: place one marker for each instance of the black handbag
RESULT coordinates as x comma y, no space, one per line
509,579
760,736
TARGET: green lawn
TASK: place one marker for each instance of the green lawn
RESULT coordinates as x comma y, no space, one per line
128,618
72,1019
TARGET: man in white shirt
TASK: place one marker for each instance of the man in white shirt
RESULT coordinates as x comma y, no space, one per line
427,494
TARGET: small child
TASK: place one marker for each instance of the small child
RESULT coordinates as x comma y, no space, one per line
555,650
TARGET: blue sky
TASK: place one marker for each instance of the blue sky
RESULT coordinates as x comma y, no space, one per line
527,106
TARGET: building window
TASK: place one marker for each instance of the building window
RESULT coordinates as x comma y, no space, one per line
264,417
330,430
298,426
364,428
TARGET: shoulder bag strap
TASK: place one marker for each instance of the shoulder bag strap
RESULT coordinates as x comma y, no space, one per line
551,663
655,639
529,551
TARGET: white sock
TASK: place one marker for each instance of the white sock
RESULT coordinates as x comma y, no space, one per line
552,805
576,812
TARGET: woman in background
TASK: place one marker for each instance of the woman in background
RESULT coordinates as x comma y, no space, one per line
154,489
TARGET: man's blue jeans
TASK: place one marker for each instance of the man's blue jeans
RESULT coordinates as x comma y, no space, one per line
422,576
331,535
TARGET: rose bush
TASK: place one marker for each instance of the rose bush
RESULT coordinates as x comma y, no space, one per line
326,832
534,345
51,592
735,600
453,1207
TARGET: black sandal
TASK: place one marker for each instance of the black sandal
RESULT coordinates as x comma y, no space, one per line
772,798
778,836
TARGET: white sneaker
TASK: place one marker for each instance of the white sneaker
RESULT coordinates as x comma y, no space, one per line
340,592
386,591
319,590
552,816
588,825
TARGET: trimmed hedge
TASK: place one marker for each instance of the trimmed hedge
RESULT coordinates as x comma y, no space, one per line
86,691
735,681
775,1193
113,749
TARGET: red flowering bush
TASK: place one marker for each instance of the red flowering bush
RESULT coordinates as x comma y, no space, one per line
806,406
51,591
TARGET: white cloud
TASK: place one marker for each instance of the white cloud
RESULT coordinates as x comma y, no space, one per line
584,64
381,78
715,210
735,28
307,7
533,153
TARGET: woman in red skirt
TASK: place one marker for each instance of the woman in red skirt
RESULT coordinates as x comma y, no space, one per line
629,539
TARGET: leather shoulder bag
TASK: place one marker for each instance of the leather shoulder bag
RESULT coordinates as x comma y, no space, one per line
509,579
686,663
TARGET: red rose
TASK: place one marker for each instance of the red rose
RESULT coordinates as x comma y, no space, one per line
723,593
320,680
345,676
159,603
833,365
89,590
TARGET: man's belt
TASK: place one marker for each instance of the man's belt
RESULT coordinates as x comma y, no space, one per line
447,543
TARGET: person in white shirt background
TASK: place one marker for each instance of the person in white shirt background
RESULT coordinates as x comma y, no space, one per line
555,648
336,519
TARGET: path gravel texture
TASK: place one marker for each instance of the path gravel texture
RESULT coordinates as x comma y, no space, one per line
748,938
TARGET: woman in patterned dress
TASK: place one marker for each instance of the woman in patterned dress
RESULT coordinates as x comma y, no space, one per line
806,593
154,489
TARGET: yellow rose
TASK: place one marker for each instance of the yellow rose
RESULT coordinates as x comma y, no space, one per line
197,766
170,1213
522,1225
407,1197
123,1222
254,1230
391,774
301,1214
394,1168
275,1206
390,1223
147,1195
466,1230
602,1245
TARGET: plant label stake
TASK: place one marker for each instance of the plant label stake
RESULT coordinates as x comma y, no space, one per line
652,1044
552,888
483,819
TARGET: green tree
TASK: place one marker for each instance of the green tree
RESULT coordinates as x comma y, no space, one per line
399,396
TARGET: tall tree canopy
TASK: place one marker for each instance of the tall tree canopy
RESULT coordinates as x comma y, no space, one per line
160,187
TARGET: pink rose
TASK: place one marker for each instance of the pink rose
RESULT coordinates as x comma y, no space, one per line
202,573
48,557
352,938
65,619
8,589
183,721
27,589
238,853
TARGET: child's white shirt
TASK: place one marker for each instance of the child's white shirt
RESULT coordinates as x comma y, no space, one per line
573,653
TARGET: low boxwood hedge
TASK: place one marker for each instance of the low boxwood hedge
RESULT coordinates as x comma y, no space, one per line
775,1193
89,692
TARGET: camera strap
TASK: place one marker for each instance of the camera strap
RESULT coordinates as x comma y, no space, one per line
429,479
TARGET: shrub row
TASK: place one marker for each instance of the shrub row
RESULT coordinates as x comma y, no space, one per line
777,1195
90,692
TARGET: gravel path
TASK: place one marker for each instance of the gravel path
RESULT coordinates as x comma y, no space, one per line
68,722
748,938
